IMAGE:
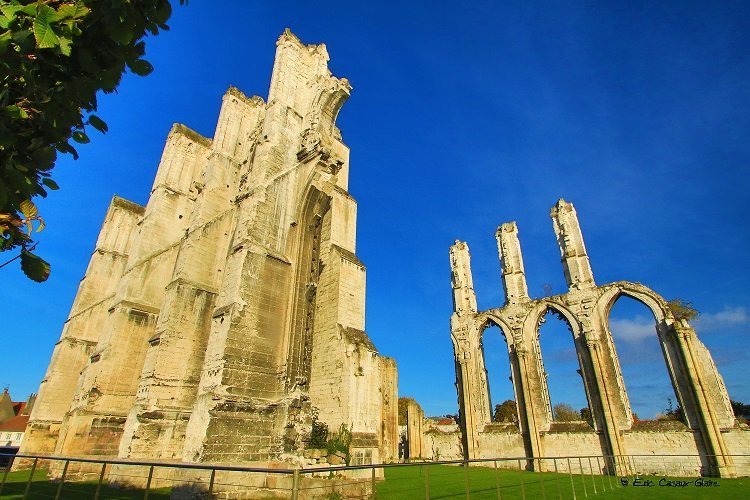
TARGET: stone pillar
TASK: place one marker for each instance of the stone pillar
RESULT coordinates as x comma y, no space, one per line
708,414
575,261
514,278
110,381
389,410
603,401
464,298
168,385
471,376
528,389
81,332
414,429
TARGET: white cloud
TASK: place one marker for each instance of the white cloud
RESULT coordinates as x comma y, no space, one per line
730,316
632,330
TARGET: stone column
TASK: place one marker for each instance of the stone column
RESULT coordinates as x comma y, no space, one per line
471,383
706,414
602,402
575,261
83,327
514,278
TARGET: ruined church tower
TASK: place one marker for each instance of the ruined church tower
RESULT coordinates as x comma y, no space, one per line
215,323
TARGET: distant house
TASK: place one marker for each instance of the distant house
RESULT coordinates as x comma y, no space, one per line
14,416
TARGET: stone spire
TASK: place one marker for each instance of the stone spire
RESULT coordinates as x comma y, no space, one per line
464,298
572,248
514,277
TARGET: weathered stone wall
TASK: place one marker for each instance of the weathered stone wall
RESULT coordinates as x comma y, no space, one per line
215,323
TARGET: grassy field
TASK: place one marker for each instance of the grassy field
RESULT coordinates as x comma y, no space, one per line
15,486
449,482
443,482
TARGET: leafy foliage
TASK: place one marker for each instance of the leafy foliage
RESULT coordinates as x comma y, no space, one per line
673,412
585,414
563,412
403,409
682,310
55,56
318,435
505,412
340,442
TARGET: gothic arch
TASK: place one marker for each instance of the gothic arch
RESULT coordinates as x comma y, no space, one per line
642,294
304,247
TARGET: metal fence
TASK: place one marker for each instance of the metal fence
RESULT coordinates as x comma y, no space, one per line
574,477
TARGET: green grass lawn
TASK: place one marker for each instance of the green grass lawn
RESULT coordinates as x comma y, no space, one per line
41,487
449,482
443,481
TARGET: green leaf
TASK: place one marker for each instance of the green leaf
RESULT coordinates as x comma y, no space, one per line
16,112
4,41
65,43
50,184
75,11
81,137
140,67
43,33
98,123
34,267
28,209
162,14
64,147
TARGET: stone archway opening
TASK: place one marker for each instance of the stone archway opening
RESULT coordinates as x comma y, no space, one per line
568,400
640,352
497,368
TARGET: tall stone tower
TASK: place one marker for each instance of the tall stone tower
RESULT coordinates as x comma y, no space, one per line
216,323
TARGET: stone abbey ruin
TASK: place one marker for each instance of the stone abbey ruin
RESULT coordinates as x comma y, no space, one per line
223,320
219,321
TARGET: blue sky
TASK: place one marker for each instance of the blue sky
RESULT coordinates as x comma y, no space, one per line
462,118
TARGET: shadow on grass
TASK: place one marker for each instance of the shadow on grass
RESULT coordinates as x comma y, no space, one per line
41,487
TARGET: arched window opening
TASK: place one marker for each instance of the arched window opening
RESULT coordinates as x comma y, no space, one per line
562,369
499,380
647,382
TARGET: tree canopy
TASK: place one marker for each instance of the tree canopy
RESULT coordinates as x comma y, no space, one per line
55,56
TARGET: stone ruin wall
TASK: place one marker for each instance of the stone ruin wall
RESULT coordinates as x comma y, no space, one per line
214,324
710,429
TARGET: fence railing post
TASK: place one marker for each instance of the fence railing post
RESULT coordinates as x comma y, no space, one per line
5,476
557,480
572,485
211,483
523,486
591,473
148,482
497,481
295,483
466,479
101,478
426,482
31,476
541,480
372,483
62,480
583,478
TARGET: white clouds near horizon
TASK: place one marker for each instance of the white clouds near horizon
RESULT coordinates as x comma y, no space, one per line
637,328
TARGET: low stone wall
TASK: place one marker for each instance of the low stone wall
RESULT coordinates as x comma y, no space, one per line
442,445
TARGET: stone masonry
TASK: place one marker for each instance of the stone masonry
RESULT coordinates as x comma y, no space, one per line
710,428
215,323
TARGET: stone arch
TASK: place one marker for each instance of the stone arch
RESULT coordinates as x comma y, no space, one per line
642,294
304,247
663,325
533,330
484,322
